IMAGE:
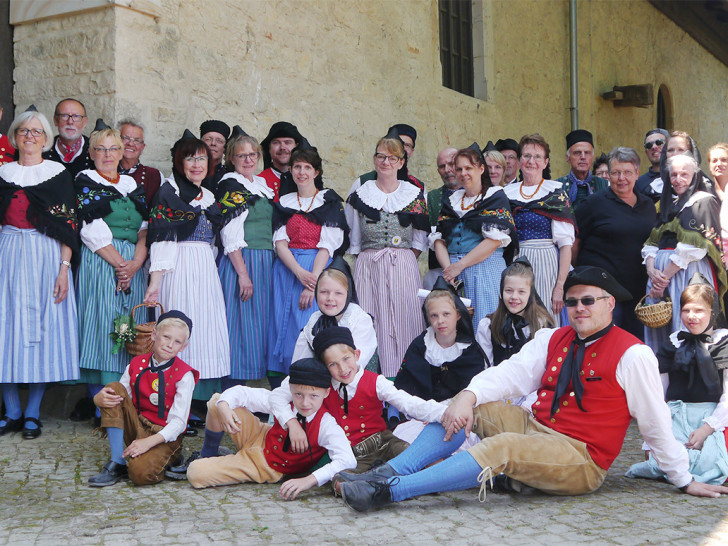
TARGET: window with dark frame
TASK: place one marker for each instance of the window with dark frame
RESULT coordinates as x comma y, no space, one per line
456,45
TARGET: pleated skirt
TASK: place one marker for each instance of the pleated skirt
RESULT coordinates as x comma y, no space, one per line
544,257
193,287
287,319
248,321
387,282
39,338
482,283
98,305
657,337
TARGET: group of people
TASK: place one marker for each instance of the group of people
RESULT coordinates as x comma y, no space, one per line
528,327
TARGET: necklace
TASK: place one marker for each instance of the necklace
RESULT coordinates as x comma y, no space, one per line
471,205
534,193
199,196
300,206
113,180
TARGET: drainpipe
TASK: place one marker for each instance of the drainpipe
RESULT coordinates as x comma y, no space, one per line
573,77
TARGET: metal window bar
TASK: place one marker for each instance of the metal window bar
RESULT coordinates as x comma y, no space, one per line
456,45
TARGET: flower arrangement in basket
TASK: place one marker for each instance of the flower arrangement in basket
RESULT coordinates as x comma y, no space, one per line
124,331
136,337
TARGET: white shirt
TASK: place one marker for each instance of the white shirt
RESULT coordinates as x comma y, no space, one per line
180,410
97,234
330,239
233,234
637,373
414,406
331,436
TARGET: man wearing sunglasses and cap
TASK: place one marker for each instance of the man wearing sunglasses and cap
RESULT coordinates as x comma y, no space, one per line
654,141
591,377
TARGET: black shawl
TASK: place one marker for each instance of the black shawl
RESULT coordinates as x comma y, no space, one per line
93,200
555,206
414,214
234,199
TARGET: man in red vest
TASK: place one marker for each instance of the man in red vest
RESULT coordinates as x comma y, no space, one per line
592,378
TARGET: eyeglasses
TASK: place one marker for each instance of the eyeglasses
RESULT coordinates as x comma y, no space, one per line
617,174
196,159
102,150
252,156
658,142
392,159
211,140
75,118
25,132
130,140
529,157
587,301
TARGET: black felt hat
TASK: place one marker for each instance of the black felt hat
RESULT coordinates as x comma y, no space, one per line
215,125
309,371
595,276
281,129
506,144
404,129
332,336
178,315
100,125
238,131
579,135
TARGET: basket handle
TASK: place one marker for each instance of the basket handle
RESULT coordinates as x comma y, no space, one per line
641,302
154,304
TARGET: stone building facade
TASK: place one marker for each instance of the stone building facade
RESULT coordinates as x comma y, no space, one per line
343,71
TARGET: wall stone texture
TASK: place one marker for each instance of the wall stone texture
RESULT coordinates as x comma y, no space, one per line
344,71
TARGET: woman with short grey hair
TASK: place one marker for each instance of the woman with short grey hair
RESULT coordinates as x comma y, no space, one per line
613,226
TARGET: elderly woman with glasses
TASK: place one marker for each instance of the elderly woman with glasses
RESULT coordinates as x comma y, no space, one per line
686,240
184,227
112,212
389,224
39,333
544,222
246,269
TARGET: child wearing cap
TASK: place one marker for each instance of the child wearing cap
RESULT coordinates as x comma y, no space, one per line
264,451
147,409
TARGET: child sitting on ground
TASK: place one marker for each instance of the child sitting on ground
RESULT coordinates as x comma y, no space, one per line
264,451
356,402
147,409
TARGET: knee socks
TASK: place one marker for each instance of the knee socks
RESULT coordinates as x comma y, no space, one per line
35,397
93,390
116,443
427,448
12,401
211,444
454,473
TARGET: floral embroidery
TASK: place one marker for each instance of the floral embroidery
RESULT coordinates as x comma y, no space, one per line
709,233
418,206
87,196
162,212
62,211
233,200
500,213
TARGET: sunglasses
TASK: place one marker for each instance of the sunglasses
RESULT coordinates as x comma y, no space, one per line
587,301
658,142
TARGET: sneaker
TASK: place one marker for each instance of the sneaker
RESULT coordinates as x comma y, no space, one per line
362,496
109,475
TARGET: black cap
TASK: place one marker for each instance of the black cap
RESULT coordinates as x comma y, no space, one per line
309,371
178,315
579,135
215,125
238,131
476,147
595,276
490,147
188,135
404,129
31,108
506,144
657,131
332,336
100,125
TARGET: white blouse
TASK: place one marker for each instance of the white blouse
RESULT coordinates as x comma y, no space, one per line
233,234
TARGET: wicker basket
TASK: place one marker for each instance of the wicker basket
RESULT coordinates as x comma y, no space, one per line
654,315
143,343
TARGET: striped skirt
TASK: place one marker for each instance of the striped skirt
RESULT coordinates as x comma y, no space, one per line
248,320
657,337
99,304
482,283
544,257
387,282
39,338
193,287
287,319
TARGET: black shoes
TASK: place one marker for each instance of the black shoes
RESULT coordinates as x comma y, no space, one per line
362,496
504,484
83,411
31,433
383,471
179,471
11,425
109,475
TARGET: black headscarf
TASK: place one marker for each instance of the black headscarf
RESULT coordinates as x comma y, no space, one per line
325,321
465,322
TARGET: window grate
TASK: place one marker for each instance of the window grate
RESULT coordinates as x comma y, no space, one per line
456,44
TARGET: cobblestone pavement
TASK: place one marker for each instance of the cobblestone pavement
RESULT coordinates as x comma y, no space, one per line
44,499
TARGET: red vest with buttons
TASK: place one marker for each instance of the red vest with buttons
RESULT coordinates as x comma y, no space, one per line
603,426
7,152
148,385
288,462
302,232
365,410
273,181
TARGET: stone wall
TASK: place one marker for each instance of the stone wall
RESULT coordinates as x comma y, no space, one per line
344,71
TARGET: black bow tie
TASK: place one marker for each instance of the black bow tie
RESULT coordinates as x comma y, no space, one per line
694,349
302,421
